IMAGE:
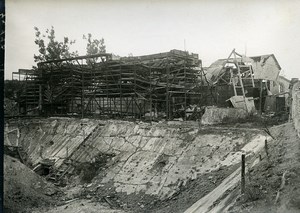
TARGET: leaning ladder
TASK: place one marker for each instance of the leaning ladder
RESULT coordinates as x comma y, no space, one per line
240,84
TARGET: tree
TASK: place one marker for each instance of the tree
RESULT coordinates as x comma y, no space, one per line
53,49
94,46
13,89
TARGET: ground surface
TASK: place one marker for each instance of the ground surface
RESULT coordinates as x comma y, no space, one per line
78,206
273,184
193,191
27,192
34,194
23,188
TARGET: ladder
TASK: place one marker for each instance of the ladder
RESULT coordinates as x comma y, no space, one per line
238,75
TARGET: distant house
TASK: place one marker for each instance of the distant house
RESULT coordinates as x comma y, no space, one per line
265,67
278,95
280,86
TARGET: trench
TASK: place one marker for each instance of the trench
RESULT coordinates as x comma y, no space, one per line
123,162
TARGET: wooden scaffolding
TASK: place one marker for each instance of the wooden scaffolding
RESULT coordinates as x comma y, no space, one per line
159,85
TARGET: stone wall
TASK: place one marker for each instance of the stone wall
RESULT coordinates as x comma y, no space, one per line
214,115
295,109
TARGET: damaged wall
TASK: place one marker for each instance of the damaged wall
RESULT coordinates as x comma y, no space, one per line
281,85
296,106
265,67
214,115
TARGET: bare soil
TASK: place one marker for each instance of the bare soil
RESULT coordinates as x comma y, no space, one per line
273,185
24,189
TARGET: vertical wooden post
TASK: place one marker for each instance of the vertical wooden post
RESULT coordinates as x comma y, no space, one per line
260,158
40,97
260,97
132,110
243,174
19,104
82,93
121,96
133,99
167,90
233,82
150,76
61,101
266,148
72,93
185,96
249,175
41,150
108,109
51,87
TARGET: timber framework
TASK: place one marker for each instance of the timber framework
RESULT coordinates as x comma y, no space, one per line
169,85
159,85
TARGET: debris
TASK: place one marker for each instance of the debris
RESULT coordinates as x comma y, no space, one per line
70,201
50,191
281,186
214,115
23,188
164,160
107,200
246,104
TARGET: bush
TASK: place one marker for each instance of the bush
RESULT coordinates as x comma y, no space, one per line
252,193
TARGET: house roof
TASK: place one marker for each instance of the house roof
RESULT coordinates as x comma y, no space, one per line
265,57
215,70
284,78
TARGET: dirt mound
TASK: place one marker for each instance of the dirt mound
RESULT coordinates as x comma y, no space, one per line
24,189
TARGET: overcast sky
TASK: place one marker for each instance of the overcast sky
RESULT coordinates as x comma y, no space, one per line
210,28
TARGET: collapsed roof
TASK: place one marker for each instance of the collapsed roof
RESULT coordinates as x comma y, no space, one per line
264,67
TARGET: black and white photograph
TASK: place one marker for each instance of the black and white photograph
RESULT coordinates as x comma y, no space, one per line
150,106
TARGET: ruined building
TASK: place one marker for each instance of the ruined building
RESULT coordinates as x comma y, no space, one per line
164,85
